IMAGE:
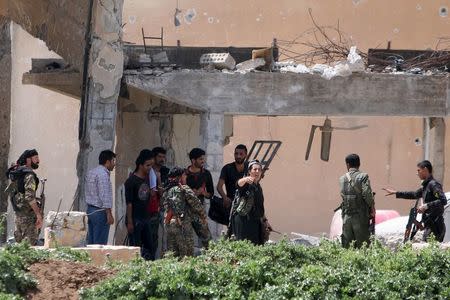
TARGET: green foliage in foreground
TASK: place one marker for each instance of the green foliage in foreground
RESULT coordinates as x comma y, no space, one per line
14,261
238,270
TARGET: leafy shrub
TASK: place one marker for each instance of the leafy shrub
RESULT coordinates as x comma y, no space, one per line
239,270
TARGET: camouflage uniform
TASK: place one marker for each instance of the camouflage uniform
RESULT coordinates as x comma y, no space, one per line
183,214
25,216
357,201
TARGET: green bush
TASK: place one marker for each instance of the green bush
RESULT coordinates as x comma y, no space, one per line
239,270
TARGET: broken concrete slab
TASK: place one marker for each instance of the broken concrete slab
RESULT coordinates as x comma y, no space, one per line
251,64
160,58
218,60
262,93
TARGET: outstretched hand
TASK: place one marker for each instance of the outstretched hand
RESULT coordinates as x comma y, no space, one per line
389,191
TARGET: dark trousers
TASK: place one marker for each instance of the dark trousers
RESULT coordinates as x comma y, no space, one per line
98,228
435,226
145,235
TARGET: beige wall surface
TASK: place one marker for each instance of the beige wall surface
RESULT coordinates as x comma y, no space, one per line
300,195
369,23
43,120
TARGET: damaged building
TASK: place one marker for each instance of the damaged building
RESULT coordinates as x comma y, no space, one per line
78,79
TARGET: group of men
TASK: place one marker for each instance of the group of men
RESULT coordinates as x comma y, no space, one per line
358,206
154,195
180,193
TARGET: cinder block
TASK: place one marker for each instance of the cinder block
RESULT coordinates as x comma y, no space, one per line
218,60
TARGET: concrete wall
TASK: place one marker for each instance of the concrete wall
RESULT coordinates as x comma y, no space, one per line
44,120
61,24
370,24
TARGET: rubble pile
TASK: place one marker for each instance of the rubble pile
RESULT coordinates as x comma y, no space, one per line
263,61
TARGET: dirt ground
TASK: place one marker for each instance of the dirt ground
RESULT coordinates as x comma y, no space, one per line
62,279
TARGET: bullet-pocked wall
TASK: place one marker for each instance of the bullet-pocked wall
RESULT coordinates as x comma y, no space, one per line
300,195
44,120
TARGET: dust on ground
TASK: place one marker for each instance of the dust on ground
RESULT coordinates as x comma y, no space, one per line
59,279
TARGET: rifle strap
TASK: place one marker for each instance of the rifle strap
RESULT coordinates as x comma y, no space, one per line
349,178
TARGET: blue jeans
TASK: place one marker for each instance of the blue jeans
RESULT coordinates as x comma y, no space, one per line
98,228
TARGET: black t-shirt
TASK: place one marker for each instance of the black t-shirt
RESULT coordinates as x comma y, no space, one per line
137,192
164,175
231,175
199,180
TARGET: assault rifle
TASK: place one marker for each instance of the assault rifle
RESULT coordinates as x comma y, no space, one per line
41,199
413,225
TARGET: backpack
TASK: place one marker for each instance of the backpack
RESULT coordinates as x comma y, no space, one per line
245,201
16,175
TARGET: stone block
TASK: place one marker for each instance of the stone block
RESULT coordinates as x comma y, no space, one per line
160,57
101,254
67,229
64,237
266,53
144,58
74,219
218,60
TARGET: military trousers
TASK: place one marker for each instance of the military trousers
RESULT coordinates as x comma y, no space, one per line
180,238
355,228
26,229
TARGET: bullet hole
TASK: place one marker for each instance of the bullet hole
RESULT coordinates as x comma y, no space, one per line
396,30
132,19
443,11
418,141
419,7
210,20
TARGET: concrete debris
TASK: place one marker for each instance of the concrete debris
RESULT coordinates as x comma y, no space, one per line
147,72
266,53
218,60
353,64
304,239
341,69
276,66
319,68
391,232
299,69
355,61
251,64
144,58
131,72
160,58
415,71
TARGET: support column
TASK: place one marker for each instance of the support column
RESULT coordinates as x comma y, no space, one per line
102,86
166,134
5,114
437,148
212,139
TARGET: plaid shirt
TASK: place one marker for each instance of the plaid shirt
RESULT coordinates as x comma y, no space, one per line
99,188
